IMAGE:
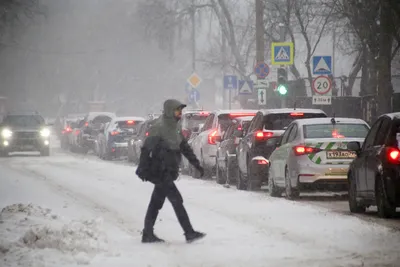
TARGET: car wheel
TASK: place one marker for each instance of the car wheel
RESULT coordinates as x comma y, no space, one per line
240,184
353,204
4,154
272,189
291,193
385,208
219,175
45,152
253,182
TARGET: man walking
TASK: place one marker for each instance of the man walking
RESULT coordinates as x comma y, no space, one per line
159,164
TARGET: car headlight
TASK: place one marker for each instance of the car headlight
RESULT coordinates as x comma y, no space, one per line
6,133
45,132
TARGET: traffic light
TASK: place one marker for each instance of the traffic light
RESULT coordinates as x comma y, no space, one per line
282,85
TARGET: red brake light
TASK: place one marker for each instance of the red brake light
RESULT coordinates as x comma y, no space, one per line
393,155
211,137
304,150
147,133
239,128
204,113
86,124
297,114
241,114
262,162
335,134
130,122
114,133
261,135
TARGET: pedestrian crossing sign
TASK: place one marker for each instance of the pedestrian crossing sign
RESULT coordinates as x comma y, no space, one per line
282,53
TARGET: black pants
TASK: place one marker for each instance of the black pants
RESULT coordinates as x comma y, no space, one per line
160,192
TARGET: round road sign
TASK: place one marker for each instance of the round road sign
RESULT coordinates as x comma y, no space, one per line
322,85
261,69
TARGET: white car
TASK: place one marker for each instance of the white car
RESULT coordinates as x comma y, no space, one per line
312,154
204,144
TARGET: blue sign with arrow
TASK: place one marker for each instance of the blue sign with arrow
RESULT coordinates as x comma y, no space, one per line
230,82
194,96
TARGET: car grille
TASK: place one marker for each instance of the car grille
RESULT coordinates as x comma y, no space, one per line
26,135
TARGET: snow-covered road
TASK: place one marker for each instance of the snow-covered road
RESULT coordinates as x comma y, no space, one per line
86,211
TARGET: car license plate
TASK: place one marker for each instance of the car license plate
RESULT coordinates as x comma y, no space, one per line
337,154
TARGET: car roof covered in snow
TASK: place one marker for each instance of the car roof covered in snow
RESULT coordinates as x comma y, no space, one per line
92,115
116,119
290,110
391,115
228,111
328,120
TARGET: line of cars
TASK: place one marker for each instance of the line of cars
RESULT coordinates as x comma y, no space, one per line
289,150
301,150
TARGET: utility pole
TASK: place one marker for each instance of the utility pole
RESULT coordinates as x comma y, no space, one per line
260,42
260,31
224,63
193,13
282,33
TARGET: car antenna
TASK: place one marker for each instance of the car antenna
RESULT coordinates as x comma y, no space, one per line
294,105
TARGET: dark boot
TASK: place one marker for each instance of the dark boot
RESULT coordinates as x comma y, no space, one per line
193,236
150,237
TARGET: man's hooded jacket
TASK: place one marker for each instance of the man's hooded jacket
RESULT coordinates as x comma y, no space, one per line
162,151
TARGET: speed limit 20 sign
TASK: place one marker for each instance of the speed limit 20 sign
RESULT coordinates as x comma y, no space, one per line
322,85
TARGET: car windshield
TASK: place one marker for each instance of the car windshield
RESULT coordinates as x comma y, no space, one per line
101,119
339,130
193,120
282,120
23,120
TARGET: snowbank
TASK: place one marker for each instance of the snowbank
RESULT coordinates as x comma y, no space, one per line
31,236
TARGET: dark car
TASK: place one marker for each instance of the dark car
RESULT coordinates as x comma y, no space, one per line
135,142
191,119
24,132
226,150
374,175
260,141
113,140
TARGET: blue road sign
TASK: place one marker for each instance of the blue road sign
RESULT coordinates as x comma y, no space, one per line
230,82
261,69
322,65
282,54
245,87
194,96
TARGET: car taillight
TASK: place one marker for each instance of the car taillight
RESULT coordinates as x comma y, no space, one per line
130,122
335,134
86,124
233,115
114,133
297,114
304,150
204,113
77,132
147,133
211,137
262,162
239,128
393,155
261,135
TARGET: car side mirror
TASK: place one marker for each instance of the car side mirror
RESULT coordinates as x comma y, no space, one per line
354,146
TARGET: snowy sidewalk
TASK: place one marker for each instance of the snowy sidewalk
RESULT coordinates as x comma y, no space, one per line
244,229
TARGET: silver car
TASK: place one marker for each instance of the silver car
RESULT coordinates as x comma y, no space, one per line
313,155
